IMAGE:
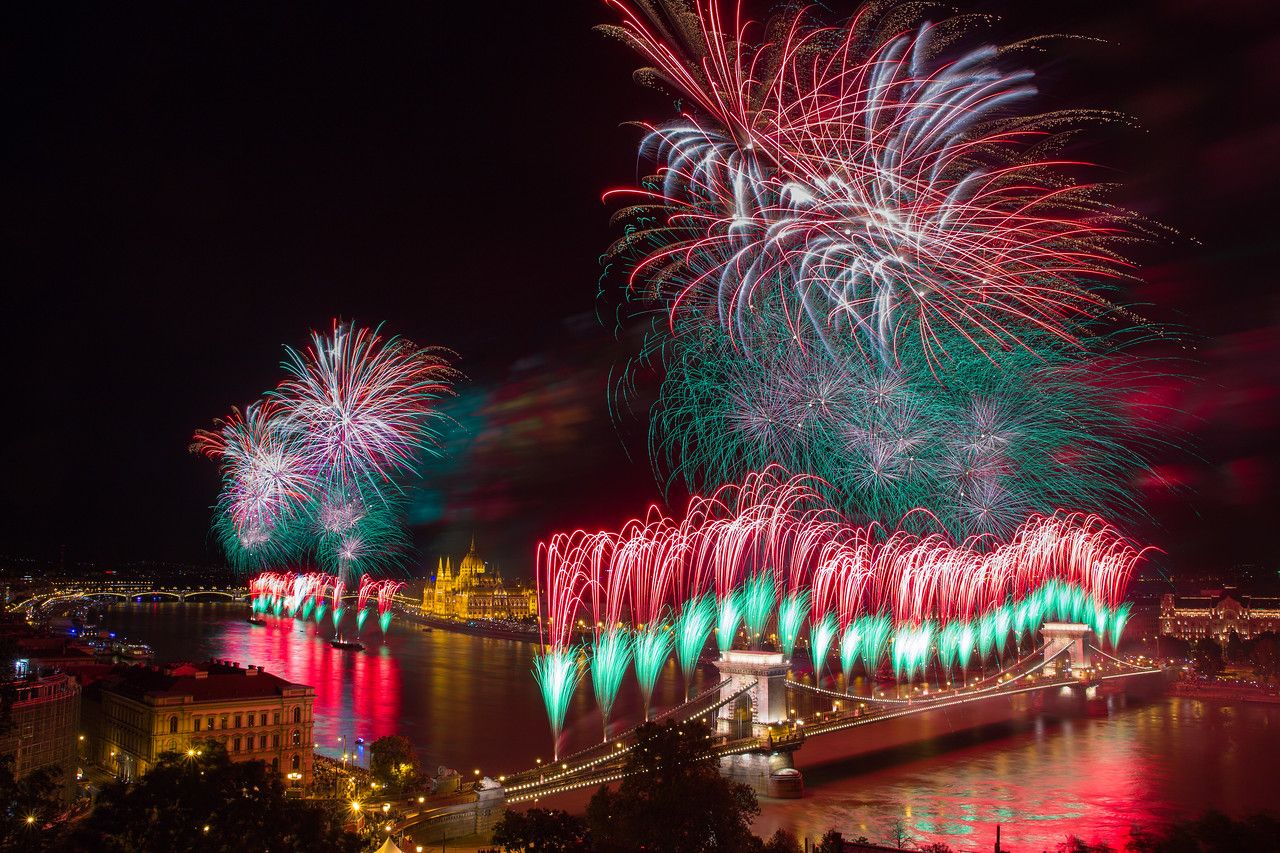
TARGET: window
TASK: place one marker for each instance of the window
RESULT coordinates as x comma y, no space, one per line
173,725
239,721
209,724
275,718
297,737
262,742
251,721
275,741
275,765
297,715
224,721
296,762
236,743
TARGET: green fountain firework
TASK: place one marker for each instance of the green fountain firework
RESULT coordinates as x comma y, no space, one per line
821,634
911,647
1118,620
874,630
791,615
728,617
759,595
651,647
1002,623
557,674
692,626
949,645
610,657
850,648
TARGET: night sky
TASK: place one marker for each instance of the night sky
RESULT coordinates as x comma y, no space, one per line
189,187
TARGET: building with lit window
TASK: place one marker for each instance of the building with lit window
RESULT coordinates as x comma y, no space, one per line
138,712
44,724
1216,615
475,592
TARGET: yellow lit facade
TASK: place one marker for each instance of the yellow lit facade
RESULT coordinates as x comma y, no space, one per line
473,591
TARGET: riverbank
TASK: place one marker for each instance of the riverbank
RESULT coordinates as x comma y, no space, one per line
1225,693
493,629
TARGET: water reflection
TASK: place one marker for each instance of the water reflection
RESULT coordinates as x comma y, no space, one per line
471,703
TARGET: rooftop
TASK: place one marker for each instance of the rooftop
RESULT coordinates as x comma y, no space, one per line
211,681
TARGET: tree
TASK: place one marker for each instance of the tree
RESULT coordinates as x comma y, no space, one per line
541,831
782,841
831,842
673,798
898,834
1235,648
27,805
1206,654
393,762
201,800
1078,845
1265,655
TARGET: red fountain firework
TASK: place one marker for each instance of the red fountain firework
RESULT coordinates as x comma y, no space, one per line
774,521
386,594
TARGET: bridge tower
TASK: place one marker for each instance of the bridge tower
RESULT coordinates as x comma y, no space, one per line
761,679
1073,637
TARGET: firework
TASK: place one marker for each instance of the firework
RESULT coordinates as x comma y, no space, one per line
558,674
365,405
386,595
692,626
791,615
933,597
610,657
884,195
651,647
315,469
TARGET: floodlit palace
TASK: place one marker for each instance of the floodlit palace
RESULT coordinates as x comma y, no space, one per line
1218,615
473,591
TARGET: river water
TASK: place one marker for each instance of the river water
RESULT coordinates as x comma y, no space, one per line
471,703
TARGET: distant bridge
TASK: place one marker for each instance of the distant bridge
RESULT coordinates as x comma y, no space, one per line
130,591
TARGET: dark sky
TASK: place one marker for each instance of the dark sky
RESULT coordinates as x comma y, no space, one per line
187,187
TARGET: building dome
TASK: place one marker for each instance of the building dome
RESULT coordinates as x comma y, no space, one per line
471,565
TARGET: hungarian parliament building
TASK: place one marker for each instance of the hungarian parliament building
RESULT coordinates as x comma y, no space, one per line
472,591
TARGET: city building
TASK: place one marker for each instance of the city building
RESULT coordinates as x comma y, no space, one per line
1217,613
138,712
45,724
475,592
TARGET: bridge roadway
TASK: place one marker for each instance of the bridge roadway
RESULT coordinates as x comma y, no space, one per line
605,763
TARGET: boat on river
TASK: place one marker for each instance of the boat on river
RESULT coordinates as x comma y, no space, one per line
349,645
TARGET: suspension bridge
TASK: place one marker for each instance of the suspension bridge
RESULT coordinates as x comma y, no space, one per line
762,718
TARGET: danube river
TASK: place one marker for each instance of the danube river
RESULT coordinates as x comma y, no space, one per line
471,703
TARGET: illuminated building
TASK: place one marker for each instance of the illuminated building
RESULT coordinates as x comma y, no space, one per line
475,592
139,712
1192,617
44,722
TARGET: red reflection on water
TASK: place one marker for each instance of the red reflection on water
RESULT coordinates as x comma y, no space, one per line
357,693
